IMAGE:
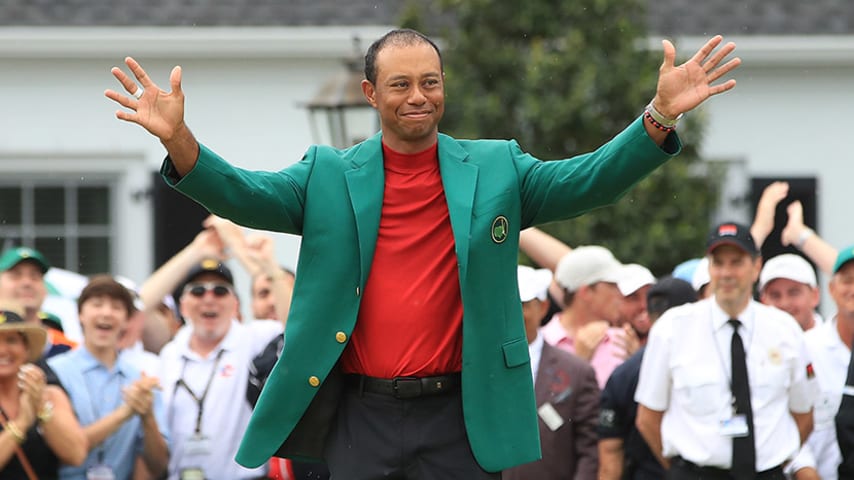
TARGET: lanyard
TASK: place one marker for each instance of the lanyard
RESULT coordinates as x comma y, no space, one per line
200,401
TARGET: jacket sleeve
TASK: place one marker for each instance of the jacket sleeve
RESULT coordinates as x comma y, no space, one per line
562,189
262,200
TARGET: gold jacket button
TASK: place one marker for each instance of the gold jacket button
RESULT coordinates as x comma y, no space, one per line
313,381
341,337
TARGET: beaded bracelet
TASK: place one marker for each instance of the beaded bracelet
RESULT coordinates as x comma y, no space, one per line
655,123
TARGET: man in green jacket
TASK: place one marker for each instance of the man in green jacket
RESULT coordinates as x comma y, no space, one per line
405,354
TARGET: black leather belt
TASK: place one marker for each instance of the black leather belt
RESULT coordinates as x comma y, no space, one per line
405,387
714,472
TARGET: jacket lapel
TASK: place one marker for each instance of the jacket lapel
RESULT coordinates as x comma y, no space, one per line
365,185
459,178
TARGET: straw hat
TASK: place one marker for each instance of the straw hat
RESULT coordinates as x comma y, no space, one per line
35,334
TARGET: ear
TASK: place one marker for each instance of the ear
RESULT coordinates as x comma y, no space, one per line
370,92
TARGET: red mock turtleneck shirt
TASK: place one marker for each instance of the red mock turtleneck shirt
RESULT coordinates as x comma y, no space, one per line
411,315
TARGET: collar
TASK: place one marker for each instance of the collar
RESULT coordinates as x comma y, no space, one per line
720,318
553,332
228,343
87,362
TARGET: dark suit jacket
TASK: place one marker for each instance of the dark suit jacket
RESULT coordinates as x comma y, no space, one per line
570,452
333,198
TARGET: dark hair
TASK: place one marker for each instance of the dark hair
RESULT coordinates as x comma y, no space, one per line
399,37
106,286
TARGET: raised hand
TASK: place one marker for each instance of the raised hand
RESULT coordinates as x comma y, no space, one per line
682,88
795,226
158,111
763,223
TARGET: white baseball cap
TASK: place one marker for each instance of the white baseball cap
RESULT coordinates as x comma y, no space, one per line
634,276
701,274
790,266
587,265
533,283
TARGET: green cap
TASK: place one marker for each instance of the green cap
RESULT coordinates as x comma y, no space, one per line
14,256
845,256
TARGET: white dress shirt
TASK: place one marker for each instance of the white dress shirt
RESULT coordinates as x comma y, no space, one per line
686,374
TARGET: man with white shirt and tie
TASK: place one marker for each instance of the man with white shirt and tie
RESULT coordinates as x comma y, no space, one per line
726,388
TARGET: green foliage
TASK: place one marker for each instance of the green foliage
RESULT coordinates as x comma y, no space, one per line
562,78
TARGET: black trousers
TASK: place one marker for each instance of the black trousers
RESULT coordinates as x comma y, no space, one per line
377,436
683,470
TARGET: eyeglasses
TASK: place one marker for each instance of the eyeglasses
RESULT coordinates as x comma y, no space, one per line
200,289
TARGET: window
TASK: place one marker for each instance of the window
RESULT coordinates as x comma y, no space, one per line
68,220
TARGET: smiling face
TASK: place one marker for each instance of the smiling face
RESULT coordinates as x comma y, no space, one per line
211,312
408,94
13,353
795,298
733,273
103,320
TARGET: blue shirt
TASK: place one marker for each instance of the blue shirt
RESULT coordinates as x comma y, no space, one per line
95,391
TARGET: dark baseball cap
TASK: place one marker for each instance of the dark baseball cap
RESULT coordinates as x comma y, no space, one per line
210,265
16,255
732,233
669,292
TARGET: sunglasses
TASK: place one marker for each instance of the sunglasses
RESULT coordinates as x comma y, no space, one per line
200,289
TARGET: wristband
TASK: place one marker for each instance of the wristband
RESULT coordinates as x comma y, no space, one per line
804,236
665,122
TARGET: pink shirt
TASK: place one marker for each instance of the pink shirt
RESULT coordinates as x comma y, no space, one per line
607,356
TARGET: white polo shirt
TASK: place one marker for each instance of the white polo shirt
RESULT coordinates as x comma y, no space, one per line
686,374
830,357
226,411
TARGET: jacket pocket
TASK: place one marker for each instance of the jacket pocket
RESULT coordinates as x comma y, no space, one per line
516,352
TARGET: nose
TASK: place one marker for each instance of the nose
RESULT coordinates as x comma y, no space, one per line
417,97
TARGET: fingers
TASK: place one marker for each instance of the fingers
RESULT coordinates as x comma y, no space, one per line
669,55
724,69
175,79
718,56
139,73
723,87
706,49
129,85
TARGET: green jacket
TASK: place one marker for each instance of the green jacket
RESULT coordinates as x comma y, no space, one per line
333,199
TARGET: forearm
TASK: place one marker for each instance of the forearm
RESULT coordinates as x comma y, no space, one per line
610,459
8,444
66,438
107,425
544,249
155,452
649,425
819,251
805,424
170,275
183,149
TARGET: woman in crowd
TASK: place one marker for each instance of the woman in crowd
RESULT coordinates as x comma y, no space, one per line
39,427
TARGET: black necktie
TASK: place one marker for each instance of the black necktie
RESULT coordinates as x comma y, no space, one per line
743,448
